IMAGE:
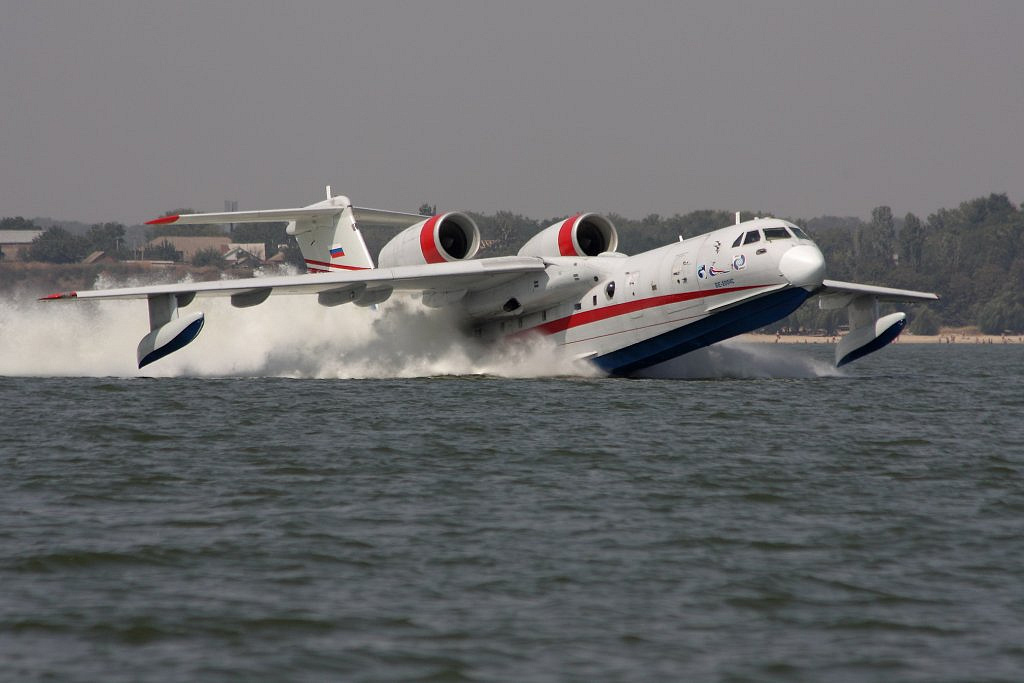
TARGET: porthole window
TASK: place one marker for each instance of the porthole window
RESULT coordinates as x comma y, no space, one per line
610,289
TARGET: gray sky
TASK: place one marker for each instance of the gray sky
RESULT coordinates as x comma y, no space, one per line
122,110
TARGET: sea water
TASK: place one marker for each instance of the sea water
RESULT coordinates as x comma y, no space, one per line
293,501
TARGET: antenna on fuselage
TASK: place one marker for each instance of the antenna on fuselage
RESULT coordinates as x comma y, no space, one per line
738,217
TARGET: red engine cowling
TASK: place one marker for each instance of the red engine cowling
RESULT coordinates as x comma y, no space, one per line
445,237
587,234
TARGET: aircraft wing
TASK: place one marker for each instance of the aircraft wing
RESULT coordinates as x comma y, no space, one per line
838,294
450,276
169,332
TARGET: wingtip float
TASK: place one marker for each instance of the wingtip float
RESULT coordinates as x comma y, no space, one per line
621,313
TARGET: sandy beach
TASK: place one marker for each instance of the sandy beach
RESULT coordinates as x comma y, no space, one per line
946,337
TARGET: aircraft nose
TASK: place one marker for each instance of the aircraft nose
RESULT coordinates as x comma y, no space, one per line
803,266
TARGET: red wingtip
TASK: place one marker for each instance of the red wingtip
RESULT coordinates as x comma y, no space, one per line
59,295
163,220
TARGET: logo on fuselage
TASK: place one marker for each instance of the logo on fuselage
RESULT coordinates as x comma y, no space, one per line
704,271
739,262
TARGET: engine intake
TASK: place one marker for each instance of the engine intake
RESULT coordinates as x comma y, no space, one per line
445,237
587,234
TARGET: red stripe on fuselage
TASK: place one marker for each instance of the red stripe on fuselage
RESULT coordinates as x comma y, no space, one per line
605,312
324,264
565,245
427,244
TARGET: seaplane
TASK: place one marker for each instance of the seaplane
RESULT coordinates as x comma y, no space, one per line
567,283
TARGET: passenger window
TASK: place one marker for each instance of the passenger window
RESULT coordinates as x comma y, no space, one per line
752,236
738,240
776,234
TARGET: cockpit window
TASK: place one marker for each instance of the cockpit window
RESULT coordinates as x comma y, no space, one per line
799,233
776,234
738,240
752,236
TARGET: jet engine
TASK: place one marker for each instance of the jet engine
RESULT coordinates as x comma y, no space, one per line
587,234
445,237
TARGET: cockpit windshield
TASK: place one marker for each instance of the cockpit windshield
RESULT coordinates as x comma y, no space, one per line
770,234
776,234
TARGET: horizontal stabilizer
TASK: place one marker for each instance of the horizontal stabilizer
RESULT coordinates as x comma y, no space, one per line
268,216
363,216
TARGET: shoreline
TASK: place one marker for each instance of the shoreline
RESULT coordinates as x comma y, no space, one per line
952,337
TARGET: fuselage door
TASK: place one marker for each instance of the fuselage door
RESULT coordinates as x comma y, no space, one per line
681,272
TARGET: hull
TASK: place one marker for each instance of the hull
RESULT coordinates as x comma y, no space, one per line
714,328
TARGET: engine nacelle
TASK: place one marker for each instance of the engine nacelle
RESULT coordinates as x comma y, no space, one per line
587,234
445,237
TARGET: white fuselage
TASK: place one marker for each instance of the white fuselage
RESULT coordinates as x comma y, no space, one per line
628,312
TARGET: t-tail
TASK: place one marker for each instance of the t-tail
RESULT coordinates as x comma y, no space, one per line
326,232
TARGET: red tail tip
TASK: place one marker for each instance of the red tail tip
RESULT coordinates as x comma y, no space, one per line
60,295
163,220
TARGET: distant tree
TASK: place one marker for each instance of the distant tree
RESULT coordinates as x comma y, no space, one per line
427,209
57,245
924,321
208,257
1004,313
911,241
206,230
17,223
883,232
986,209
506,231
108,237
164,251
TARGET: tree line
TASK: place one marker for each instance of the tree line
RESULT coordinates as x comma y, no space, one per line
971,255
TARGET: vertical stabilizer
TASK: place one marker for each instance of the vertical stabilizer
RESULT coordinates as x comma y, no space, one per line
331,242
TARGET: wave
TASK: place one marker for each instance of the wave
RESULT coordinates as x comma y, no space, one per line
286,336
293,336
739,360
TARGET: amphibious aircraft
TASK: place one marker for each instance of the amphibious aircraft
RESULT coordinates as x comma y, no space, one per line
568,282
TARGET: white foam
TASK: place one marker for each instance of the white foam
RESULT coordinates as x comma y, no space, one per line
738,360
286,336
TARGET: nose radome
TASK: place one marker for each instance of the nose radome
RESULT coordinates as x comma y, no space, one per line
803,266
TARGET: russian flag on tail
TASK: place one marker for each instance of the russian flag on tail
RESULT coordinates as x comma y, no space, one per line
337,251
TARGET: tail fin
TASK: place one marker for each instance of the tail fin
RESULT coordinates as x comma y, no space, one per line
331,242
326,231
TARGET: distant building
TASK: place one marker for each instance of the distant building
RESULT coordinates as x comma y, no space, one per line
237,255
13,242
99,257
256,250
